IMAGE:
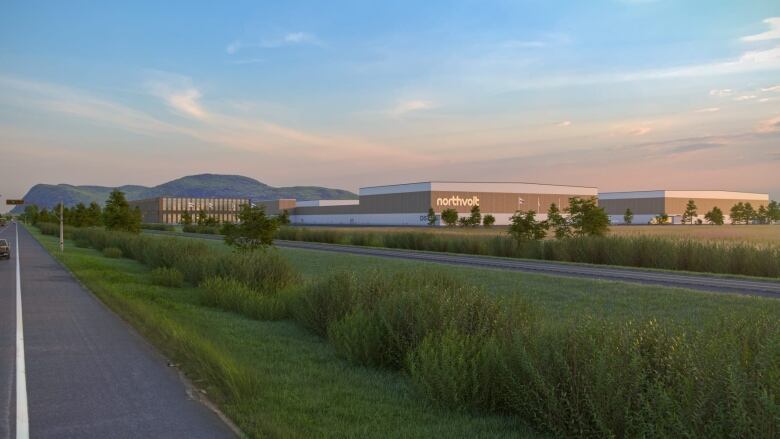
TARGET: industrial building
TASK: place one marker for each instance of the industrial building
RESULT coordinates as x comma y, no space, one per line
646,205
168,210
408,204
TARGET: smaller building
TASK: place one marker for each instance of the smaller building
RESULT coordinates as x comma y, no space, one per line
646,205
168,210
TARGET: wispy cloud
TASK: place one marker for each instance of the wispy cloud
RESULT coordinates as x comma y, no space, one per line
721,92
66,100
245,133
773,88
564,123
708,110
745,97
288,39
408,106
772,34
769,126
691,147
178,93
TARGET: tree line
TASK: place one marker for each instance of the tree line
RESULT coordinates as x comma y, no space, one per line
740,213
116,215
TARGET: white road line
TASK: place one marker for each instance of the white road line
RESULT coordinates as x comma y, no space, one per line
22,420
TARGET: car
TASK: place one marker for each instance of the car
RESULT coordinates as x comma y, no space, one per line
5,249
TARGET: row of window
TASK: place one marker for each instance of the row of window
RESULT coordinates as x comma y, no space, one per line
175,218
198,204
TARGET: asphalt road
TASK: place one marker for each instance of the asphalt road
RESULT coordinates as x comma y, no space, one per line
88,373
701,282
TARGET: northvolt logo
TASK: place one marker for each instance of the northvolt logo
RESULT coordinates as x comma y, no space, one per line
458,201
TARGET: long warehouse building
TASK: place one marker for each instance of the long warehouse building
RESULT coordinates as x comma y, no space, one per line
646,205
408,204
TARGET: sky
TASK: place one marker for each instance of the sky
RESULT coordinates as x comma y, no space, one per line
616,94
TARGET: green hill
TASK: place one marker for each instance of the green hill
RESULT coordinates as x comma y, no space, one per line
203,185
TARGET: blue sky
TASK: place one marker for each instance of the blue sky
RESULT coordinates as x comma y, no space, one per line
625,94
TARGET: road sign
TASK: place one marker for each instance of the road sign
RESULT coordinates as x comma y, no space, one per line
15,202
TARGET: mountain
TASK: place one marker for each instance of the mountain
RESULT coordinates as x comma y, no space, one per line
203,185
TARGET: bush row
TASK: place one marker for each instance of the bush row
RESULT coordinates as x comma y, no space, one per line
587,377
265,271
632,251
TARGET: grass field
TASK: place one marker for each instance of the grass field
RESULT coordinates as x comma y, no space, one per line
628,348
760,234
273,379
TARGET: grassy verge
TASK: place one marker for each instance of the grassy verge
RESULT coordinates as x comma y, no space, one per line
585,375
273,379
631,251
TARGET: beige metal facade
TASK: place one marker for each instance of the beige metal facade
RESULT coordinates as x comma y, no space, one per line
168,210
408,204
645,205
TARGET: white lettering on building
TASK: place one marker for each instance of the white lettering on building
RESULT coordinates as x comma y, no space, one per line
458,201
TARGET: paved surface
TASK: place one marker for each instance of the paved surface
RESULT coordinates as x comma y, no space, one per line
89,374
701,282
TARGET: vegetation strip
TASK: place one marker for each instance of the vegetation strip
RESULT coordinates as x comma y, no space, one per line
468,350
272,378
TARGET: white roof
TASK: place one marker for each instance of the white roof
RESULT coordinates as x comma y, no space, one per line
720,195
462,186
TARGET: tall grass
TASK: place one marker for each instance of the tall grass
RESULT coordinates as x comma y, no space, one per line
590,376
585,377
632,251
264,271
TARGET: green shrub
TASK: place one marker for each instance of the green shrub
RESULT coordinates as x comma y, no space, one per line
263,270
167,277
325,301
112,252
232,295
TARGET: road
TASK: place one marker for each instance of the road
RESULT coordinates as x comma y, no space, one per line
701,282
87,373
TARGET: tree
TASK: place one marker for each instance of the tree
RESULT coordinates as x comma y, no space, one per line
431,217
558,222
255,230
30,215
450,217
749,214
773,211
762,215
202,218
488,220
662,218
283,218
78,215
628,217
464,221
690,212
186,219
45,217
586,217
119,216
475,218
714,216
93,216
525,227
737,213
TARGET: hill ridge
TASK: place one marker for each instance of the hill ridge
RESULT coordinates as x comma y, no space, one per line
205,185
